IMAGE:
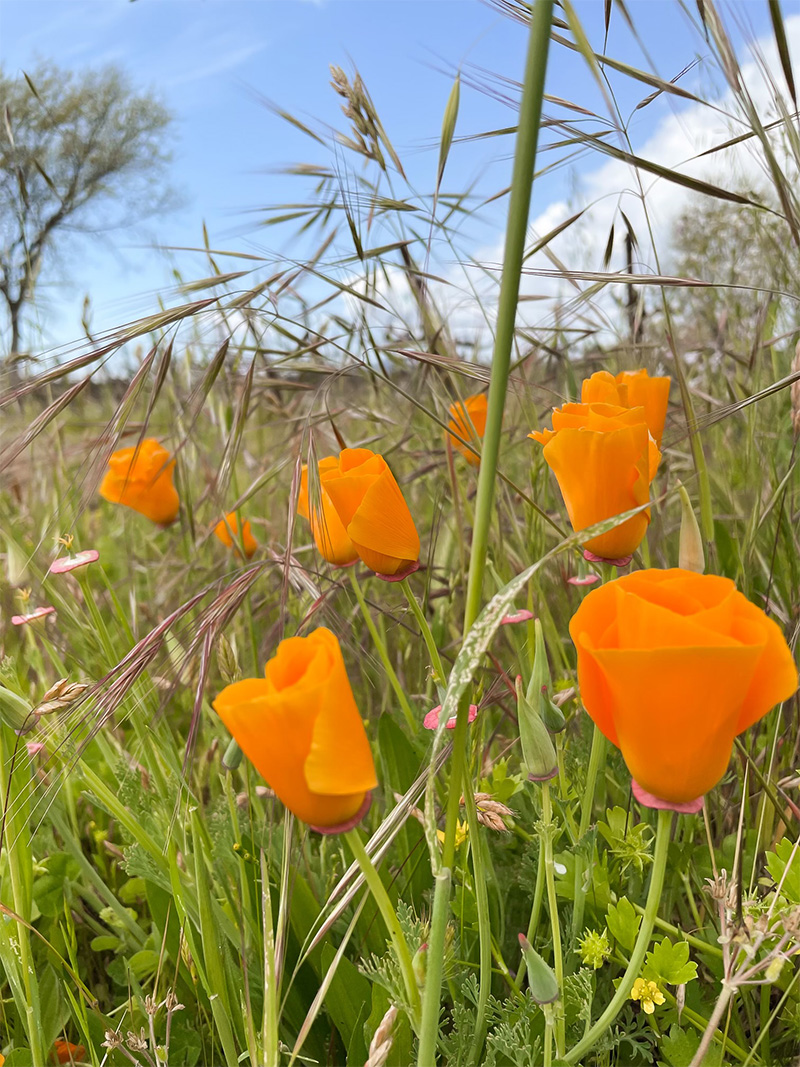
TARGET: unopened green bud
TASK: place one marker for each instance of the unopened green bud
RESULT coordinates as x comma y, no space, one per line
538,754
541,980
419,964
552,715
15,711
690,555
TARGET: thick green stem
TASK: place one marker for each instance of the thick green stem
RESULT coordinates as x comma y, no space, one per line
548,829
386,908
577,1052
484,923
530,114
383,654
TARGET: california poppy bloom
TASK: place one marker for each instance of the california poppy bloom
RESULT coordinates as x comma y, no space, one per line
468,420
672,665
300,727
66,1052
372,510
604,459
141,478
227,530
330,536
631,389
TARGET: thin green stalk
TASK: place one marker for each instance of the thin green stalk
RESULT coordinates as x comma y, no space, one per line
16,844
386,908
383,654
536,911
577,1052
597,758
484,924
425,630
548,828
429,1030
530,114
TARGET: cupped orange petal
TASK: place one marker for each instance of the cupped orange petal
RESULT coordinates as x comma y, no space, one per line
373,510
330,536
301,729
227,530
602,475
631,389
673,665
468,421
675,731
141,478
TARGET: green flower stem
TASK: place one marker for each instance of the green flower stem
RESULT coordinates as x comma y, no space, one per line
386,908
536,911
477,846
548,828
429,1031
530,114
577,1052
425,630
597,759
380,646
16,844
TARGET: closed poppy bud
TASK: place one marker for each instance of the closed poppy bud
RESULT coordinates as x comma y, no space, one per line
141,478
631,389
300,727
227,530
672,665
373,510
538,754
468,421
330,536
604,459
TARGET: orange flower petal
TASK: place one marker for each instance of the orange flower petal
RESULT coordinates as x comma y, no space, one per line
141,478
227,530
601,475
302,715
468,420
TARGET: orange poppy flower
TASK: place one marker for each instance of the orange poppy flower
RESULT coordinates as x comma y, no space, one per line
672,665
66,1052
604,459
227,530
300,727
372,510
631,389
468,420
330,536
141,478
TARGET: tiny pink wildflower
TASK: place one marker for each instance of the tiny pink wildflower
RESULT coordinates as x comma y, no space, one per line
32,616
523,615
64,564
431,720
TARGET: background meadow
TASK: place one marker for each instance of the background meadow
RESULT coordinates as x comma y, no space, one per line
159,904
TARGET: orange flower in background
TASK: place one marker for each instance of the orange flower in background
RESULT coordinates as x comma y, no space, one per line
227,530
672,665
141,478
604,459
300,727
631,389
330,536
372,510
66,1052
468,420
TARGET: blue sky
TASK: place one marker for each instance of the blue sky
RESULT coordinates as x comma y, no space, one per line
210,60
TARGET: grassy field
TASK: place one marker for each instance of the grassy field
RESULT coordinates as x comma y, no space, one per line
160,904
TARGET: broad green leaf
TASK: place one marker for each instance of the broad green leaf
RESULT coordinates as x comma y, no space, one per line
784,867
623,922
670,963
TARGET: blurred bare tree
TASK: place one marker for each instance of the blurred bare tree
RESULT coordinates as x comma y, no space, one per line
80,152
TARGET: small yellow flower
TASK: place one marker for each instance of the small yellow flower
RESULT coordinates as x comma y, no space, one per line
648,993
461,834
